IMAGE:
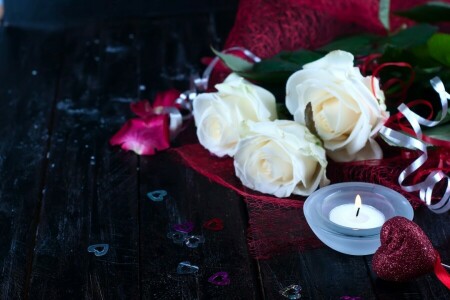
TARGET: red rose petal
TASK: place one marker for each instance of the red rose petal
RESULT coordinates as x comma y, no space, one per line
166,98
143,136
142,108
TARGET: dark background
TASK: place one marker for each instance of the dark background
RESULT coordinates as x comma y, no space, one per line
56,14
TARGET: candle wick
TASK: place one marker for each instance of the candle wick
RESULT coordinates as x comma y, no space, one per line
357,212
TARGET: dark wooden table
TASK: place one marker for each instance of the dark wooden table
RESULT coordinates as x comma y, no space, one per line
63,188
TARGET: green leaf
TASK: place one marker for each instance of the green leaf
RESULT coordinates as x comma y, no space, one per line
267,77
275,65
439,48
357,44
300,57
439,132
236,64
429,12
383,13
413,36
277,70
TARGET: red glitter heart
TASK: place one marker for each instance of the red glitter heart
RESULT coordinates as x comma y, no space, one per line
214,224
405,252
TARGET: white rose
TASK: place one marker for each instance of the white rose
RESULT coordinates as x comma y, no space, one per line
346,114
280,158
218,116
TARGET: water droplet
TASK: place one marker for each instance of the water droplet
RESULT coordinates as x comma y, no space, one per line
52,166
97,41
97,58
34,72
131,36
142,87
86,146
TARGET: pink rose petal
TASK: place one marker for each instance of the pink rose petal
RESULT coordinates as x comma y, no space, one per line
142,108
166,98
143,136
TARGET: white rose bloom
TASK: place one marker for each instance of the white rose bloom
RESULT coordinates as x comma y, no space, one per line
346,114
280,158
218,116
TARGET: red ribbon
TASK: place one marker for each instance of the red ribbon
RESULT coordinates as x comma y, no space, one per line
391,82
440,272
397,121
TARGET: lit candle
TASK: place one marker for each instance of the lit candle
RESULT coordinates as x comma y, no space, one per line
357,216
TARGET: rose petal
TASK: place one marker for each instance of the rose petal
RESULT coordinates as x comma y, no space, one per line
167,98
142,108
143,136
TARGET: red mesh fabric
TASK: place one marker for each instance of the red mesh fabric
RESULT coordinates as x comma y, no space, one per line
267,27
278,225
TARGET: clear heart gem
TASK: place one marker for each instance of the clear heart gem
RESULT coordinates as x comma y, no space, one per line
177,237
194,241
185,267
292,291
157,195
98,249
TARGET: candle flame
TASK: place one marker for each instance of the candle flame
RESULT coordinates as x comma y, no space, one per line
358,201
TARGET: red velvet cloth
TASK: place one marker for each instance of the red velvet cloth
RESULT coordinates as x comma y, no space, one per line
267,27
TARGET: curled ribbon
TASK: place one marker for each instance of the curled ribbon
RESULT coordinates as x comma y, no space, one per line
426,187
202,82
164,119
198,84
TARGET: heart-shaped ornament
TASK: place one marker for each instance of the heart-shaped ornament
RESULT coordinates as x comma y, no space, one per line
405,252
220,278
184,227
185,267
98,249
157,195
292,292
214,224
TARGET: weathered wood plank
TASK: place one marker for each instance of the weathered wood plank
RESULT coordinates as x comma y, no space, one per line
91,188
191,197
30,64
322,274
327,274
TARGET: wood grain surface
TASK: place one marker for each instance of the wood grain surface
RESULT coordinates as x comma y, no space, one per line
63,187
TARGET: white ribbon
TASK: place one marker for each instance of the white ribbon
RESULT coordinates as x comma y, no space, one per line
198,84
426,187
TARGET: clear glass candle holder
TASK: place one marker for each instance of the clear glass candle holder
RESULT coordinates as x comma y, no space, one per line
353,240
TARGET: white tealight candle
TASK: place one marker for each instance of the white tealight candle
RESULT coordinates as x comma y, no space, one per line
357,216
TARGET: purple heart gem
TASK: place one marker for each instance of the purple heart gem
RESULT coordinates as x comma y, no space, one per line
220,278
184,227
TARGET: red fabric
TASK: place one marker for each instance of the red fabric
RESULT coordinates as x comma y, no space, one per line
144,109
275,225
267,27
278,225
441,273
